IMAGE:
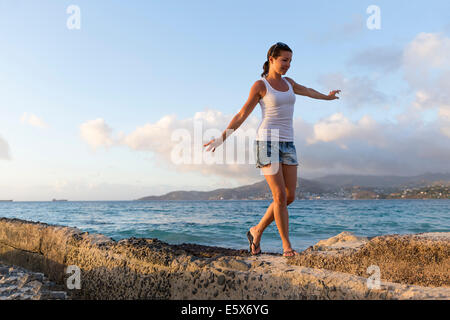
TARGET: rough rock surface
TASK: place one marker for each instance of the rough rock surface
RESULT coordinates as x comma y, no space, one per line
344,240
151,269
17,283
416,259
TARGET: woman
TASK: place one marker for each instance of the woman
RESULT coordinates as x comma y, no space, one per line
275,140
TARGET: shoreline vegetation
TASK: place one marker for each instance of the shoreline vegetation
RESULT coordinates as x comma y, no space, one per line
413,266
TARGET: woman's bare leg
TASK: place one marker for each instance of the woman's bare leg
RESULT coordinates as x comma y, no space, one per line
290,179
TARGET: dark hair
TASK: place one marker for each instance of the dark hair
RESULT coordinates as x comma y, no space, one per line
274,51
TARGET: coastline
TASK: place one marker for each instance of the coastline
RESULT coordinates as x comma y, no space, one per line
139,268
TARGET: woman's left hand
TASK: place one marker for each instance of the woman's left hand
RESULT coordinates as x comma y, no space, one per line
332,94
213,144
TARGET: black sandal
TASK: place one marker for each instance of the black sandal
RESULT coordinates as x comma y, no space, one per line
250,241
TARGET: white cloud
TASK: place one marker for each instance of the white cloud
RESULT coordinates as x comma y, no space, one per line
334,144
331,129
427,50
339,145
4,149
426,65
96,133
157,138
340,129
426,61
33,120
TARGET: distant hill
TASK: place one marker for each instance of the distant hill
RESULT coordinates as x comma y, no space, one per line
258,190
331,186
384,181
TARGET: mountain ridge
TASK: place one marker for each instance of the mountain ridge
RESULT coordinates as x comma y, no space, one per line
329,186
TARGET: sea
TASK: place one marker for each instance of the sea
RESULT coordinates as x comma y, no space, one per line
224,223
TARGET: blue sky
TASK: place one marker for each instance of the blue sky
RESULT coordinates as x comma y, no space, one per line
133,63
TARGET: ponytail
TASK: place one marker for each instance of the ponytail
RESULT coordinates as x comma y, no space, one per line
265,68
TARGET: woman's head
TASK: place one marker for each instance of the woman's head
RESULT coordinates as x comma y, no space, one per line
279,58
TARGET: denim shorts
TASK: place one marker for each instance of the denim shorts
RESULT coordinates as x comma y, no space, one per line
266,152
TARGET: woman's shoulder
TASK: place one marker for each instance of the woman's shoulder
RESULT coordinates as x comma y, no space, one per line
260,83
260,87
291,81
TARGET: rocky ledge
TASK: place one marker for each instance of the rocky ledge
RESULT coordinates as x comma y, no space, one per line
415,259
17,283
407,266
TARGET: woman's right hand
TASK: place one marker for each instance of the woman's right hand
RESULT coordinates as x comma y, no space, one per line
213,144
332,94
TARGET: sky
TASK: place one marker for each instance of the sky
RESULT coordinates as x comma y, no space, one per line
93,92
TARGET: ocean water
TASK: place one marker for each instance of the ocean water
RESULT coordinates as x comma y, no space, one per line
225,223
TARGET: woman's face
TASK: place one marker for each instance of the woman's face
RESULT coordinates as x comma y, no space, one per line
282,63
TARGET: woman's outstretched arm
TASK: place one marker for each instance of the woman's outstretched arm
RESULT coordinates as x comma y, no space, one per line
240,117
309,92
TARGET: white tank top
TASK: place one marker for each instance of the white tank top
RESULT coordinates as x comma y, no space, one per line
277,113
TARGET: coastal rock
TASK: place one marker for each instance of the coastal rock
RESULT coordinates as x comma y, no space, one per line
421,259
344,240
17,283
412,267
232,263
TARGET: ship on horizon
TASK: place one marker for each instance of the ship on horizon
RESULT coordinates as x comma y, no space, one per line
6,200
59,200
